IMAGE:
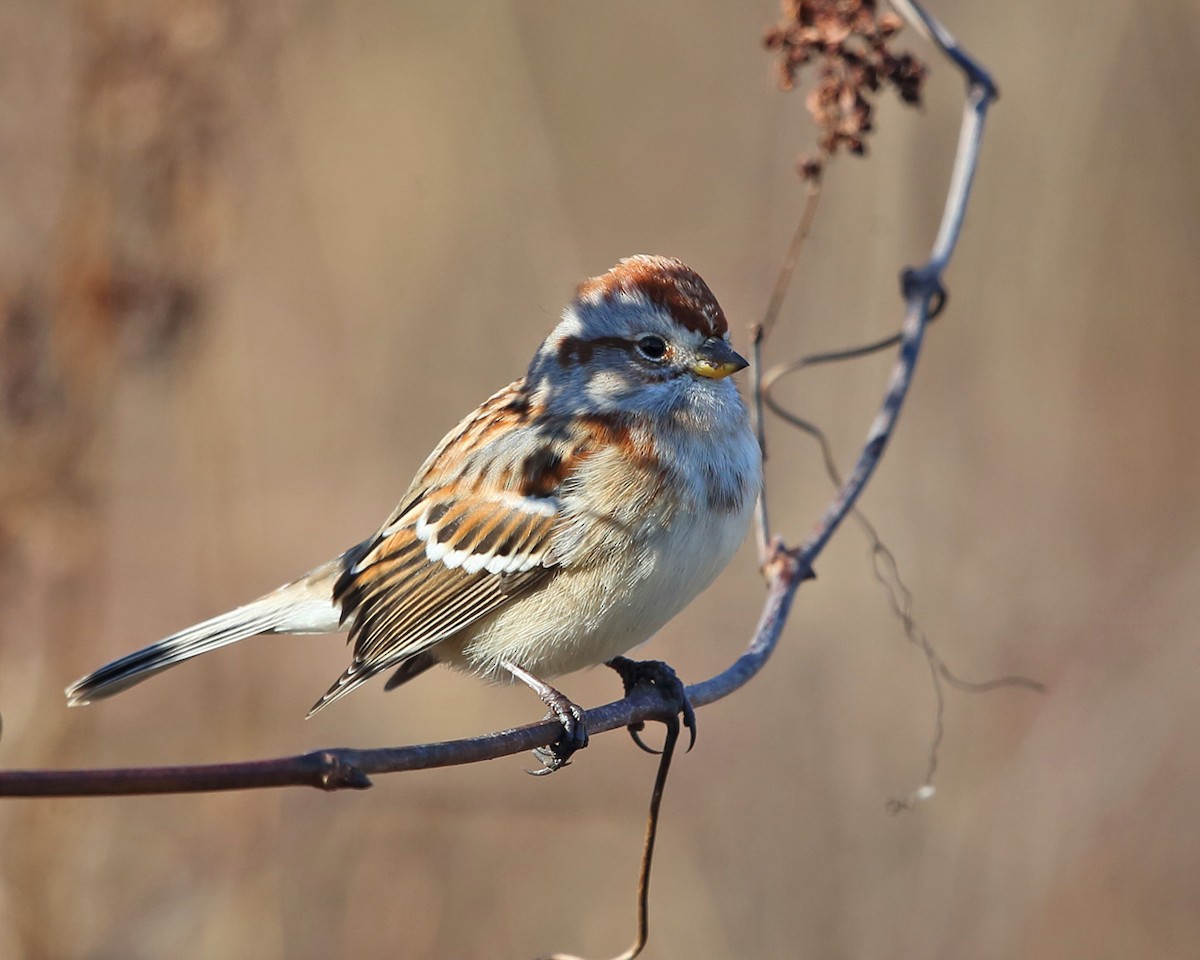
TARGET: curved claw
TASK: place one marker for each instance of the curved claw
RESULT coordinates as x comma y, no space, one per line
575,737
549,762
689,720
635,734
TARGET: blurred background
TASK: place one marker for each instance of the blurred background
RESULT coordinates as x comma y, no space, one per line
256,258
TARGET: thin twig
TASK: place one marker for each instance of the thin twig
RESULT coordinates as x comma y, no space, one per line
924,296
783,282
777,373
899,596
762,523
921,286
652,818
760,332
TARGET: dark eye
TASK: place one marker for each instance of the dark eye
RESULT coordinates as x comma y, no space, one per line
652,348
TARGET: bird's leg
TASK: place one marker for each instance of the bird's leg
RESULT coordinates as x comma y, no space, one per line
570,715
655,673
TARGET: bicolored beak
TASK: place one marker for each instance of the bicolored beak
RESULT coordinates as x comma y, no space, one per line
717,359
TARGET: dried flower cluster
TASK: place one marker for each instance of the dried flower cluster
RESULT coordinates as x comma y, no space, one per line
850,43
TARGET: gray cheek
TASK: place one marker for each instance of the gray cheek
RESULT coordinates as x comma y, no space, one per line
616,390
604,386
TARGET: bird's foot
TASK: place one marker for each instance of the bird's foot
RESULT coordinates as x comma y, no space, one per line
562,709
655,673
575,735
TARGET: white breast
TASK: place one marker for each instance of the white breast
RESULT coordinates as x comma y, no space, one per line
651,561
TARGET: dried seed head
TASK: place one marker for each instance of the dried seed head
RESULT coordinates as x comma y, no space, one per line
850,43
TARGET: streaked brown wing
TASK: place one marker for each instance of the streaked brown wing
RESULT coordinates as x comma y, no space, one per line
435,570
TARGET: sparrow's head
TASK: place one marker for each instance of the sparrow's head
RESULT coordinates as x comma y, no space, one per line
647,336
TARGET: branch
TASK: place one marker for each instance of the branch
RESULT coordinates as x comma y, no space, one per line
921,286
785,569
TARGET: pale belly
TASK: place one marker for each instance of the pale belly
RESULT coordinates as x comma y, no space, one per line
585,617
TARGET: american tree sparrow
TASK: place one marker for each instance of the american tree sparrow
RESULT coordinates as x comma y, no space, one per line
560,524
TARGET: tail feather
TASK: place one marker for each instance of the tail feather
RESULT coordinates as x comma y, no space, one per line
300,607
359,673
354,675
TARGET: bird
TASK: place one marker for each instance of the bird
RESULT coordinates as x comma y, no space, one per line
557,526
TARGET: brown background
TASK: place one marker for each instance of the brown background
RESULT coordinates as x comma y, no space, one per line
300,241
